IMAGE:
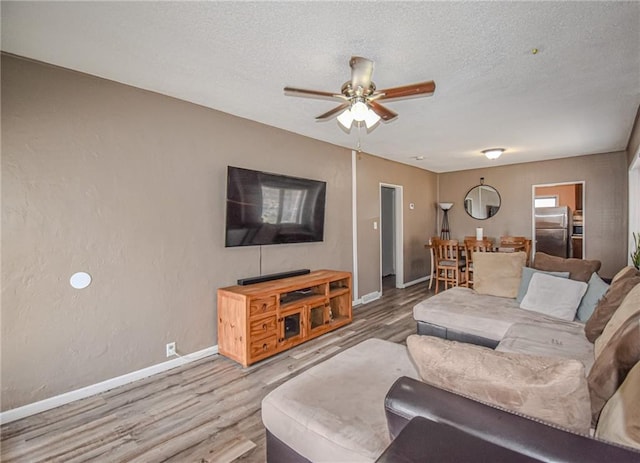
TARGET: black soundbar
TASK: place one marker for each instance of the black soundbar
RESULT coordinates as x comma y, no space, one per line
273,276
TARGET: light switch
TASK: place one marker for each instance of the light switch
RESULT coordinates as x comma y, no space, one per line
375,225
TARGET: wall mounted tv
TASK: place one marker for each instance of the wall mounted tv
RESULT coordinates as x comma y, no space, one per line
264,208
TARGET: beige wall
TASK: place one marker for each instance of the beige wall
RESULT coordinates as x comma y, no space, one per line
129,186
419,187
605,208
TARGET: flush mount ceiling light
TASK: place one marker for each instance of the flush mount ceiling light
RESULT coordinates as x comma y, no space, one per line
493,153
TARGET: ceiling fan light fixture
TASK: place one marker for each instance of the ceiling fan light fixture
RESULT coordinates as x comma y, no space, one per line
371,119
346,119
359,110
493,153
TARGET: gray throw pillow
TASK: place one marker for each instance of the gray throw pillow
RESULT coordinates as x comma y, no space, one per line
597,288
558,297
527,273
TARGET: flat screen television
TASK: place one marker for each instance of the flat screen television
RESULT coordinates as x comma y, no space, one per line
265,208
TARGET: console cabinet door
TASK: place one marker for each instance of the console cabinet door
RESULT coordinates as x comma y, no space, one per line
319,318
291,327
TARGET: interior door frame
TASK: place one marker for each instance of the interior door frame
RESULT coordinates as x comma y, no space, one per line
533,213
398,237
634,209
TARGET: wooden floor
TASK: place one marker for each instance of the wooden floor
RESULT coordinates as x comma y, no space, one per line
206,411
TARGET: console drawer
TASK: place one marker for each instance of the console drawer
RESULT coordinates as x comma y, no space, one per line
262,305
262,346
263,327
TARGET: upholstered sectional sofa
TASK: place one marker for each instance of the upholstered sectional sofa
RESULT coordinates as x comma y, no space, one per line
491,315
350,407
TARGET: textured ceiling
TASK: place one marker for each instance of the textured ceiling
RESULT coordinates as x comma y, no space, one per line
578,95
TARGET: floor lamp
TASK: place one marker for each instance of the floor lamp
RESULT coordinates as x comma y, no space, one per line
444,231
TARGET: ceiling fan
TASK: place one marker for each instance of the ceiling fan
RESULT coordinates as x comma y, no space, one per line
360,99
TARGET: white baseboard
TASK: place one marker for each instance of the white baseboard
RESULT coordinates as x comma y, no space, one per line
93,389
374,296
415,282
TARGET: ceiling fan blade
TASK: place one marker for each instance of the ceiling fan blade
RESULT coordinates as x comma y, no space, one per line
407,91
333,112
361,71
385,113
311,93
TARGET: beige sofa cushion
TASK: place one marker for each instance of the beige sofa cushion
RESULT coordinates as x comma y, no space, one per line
566,341
621,285
490,317
579,269
620,418
629,307
550,389
498,273
334,412
629,270
613,364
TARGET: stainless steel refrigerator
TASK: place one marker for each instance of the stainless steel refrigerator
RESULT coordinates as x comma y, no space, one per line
553,230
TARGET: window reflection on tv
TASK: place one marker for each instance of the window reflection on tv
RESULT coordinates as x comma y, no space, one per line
265,208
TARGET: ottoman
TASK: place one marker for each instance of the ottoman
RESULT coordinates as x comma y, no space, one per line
334,412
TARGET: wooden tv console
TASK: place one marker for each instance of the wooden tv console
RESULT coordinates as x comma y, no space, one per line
263,319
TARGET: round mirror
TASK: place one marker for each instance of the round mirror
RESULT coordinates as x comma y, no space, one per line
482,202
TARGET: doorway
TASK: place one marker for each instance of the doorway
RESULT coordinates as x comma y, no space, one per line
558,219
391,275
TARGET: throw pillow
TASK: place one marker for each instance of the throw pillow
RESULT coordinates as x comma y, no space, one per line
558,297
498,273
629,307
597,288
624,273
610,302
613,364
578,269
527,273
547,388
620,418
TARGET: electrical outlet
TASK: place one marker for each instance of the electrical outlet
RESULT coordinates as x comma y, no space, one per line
171,349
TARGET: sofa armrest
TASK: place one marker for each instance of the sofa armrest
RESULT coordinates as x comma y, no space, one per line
408,398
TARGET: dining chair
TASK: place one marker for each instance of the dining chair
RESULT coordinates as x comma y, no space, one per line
450,266
471,246
517,243
509,240
527,249
431,247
